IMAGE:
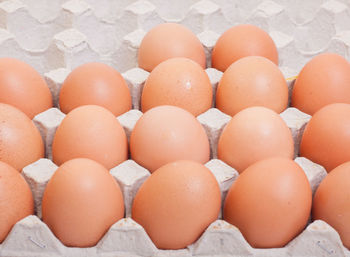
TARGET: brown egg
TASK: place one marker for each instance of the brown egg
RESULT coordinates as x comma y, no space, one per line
332,201
23,87
16,199
326,137
254,134
20,141
93,132
81,201
269,203
180,82
323,80
240,41
166,41
177,203
165,134
252,81
97,84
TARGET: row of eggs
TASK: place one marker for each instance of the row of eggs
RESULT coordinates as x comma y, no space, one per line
246,54
181,198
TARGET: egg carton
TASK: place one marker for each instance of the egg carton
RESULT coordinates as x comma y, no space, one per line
32,237
57,36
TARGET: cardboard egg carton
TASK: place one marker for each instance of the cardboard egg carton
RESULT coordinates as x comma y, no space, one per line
126,237
57,36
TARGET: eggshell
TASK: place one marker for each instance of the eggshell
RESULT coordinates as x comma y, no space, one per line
81,201
332,201
254,134
180,82
323,80
166,41
165,134
240,41
270,202
23,87
326,137
16,199
93,132
177,203
252,81
20,141
95,84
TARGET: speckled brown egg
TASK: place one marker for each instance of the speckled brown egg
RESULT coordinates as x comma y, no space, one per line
93,132
180,82
332,201
95,84
16,200
270,202
177,203
20,141
252,81
326,137
254,134
241,41
166,41
81,201
165,134
323,80
23,87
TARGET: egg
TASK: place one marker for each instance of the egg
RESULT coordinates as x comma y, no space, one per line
326,137
270,202
180,82
93,132
252,81
166,41
20,141
165,134
95,84
177,203
23,87
16,199
81,202
332,201
323,80
254,134
241,41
